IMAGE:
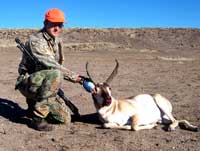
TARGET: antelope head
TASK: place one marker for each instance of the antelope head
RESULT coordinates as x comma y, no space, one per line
102,93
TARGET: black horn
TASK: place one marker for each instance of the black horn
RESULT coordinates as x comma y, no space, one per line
114,73
88,74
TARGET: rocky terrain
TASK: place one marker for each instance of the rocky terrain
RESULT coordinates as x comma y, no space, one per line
152,60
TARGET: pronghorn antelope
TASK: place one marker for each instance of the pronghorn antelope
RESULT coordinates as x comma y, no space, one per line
143,111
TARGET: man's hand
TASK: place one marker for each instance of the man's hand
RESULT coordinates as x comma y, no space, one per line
81,79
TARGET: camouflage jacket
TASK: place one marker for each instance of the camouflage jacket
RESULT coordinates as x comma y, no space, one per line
48,51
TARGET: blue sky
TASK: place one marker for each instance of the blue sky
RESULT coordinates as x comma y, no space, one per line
103,13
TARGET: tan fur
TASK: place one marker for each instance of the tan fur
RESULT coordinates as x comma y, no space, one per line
134,113
131,113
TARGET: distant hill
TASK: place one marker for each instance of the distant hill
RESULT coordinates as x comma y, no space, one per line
116,38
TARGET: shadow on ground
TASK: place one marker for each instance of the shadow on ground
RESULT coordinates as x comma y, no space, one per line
13,112
92,118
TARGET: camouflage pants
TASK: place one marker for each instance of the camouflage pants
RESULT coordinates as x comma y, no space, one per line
40,89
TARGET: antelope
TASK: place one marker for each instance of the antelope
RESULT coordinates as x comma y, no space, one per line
143,111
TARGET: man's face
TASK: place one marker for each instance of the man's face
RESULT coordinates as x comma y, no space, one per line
53,29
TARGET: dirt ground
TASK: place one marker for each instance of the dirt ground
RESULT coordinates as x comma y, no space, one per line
174,74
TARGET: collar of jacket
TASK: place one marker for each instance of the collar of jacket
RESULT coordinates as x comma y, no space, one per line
48,37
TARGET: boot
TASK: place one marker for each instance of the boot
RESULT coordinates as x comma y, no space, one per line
29,111
40,124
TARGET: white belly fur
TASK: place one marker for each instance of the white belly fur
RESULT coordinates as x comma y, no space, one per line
147,109
119,118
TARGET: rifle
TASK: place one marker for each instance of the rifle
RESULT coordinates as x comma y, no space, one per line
60,92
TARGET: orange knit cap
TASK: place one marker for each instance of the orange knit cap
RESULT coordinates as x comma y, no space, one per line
55,15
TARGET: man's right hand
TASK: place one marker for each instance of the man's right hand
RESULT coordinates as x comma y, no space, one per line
82,79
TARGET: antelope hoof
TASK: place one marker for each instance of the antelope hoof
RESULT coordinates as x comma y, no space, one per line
196,129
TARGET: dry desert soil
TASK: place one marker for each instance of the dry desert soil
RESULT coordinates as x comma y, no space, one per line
152,60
